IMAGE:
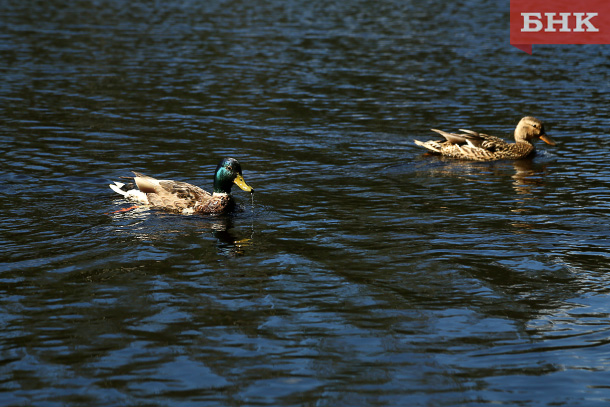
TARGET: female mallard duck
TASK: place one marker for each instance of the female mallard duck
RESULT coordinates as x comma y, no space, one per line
471,145
181,197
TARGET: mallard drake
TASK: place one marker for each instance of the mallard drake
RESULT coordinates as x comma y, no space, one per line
185,198
470,145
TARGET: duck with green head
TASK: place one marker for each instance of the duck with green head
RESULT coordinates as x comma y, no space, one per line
176,196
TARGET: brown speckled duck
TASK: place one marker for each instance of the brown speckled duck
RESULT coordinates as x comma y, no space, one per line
185,198
470,145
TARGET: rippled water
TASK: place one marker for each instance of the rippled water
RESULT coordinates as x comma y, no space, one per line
363,273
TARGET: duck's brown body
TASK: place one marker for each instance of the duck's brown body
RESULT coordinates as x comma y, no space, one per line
181,197
178,196
470,145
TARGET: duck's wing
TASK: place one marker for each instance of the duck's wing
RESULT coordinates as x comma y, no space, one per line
183,190
169,194
468,137
486,138
451,141
146,184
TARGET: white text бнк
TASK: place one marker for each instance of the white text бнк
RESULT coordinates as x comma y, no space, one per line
533,22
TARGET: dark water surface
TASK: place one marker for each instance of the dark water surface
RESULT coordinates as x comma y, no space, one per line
364,273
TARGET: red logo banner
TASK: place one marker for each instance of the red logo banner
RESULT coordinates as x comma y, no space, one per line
559,22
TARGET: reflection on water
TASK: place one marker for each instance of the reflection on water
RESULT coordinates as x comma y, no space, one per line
528,182
527,173
229,242
528,177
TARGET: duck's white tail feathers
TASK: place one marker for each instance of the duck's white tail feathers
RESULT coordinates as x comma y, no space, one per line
430,145
132,194
116,187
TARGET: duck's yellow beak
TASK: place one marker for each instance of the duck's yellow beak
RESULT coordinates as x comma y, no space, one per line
239,181
547,139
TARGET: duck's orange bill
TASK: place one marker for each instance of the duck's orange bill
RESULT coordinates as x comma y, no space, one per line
547,139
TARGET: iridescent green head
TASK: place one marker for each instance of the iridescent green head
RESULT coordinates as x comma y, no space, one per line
228,173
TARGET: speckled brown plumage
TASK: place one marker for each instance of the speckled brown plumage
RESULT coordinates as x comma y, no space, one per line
470,145
181,197
176,196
